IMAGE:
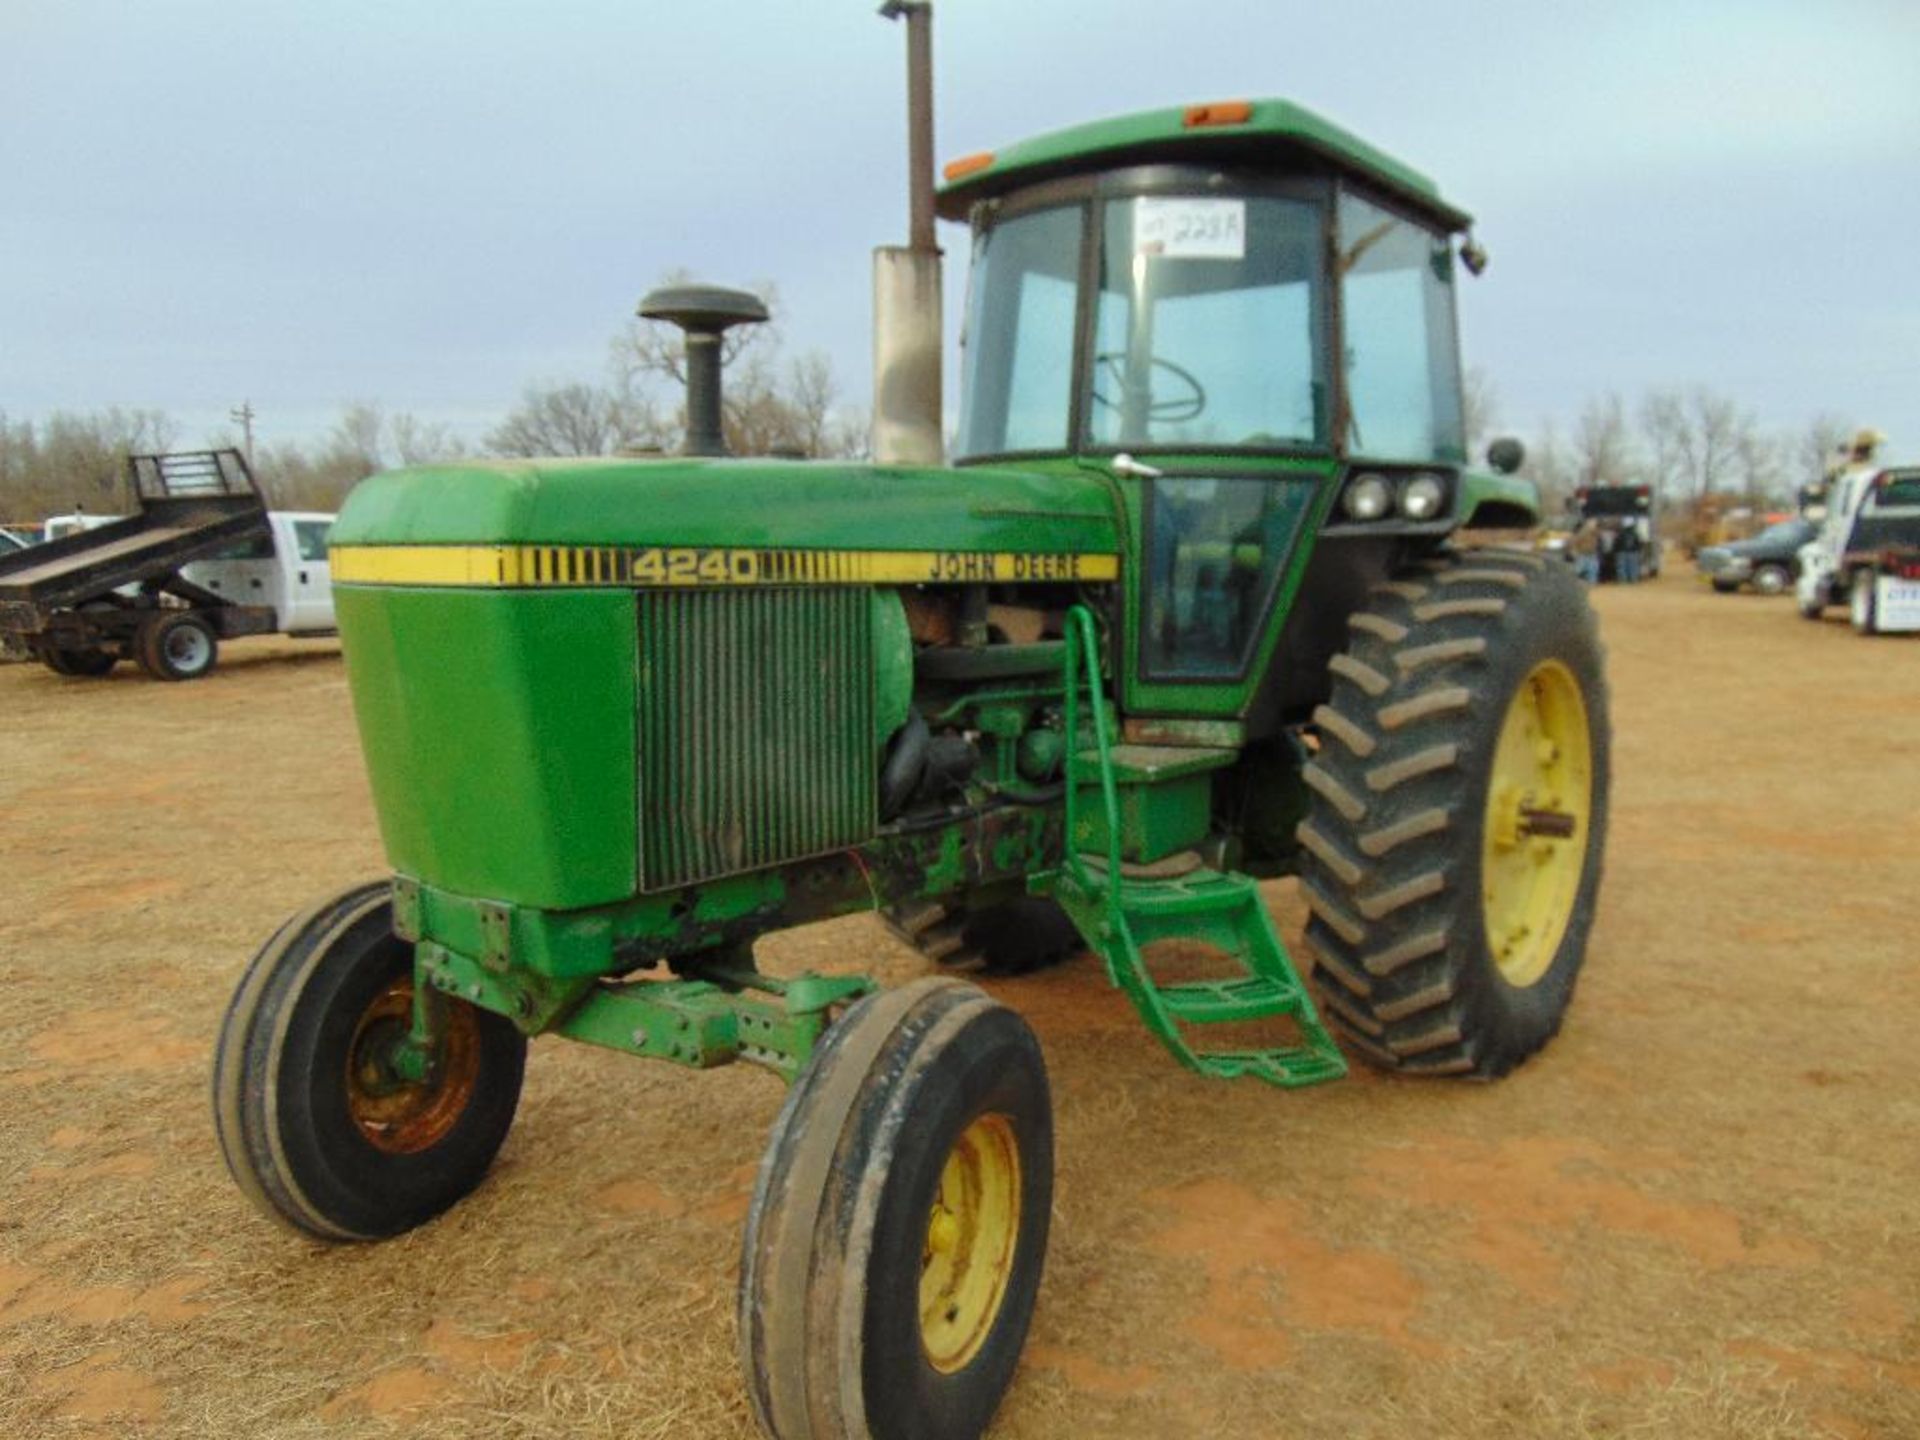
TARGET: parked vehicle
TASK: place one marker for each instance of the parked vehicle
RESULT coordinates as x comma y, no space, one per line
1186,611
200,561
58,527
10,542
1769,561
1618,508
1867,554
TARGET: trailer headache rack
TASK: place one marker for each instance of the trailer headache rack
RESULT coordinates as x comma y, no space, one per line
191,475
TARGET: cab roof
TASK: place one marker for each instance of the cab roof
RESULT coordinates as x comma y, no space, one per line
1269,132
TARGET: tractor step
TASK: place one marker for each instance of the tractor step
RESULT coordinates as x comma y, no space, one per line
1121,911
1224,912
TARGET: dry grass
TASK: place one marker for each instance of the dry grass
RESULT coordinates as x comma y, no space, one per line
1692,1217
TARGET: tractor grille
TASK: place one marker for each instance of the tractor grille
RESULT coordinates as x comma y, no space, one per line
756,729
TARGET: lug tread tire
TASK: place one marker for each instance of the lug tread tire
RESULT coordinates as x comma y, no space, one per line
828,1303
1390,849
278,1161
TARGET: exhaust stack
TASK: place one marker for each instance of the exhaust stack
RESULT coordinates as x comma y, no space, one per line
705,313
906,280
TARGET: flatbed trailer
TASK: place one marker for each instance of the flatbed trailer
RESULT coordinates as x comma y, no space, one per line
82,602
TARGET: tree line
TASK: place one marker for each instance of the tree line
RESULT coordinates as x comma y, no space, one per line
1685,442
774,404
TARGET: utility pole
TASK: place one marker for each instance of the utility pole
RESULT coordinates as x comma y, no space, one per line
243,417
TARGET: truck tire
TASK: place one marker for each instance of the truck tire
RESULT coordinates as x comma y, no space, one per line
1772,580
1860,603
898,1226
177,646
1013,937
89,663
1452,853
317,1128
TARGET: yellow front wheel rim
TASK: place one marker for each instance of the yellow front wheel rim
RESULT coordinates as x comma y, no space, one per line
1539,814
972,1231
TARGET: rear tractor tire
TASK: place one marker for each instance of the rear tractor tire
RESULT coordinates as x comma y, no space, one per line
1452,853
317,1127
178,645
1013,937
899,1222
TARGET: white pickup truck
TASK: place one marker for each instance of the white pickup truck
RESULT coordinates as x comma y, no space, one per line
1867,554
200,561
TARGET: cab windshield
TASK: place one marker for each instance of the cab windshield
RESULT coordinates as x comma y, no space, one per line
1206,332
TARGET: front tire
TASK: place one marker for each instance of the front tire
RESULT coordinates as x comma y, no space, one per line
1453,849
899,1223
1861,609
317,1129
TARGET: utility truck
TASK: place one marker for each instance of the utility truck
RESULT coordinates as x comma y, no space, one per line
1617,509
1867,554
1186,610
201,560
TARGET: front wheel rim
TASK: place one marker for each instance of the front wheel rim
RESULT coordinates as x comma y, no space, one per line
973,1229
396,1114
1538,823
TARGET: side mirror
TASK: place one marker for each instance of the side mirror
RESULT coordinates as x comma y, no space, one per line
1506,455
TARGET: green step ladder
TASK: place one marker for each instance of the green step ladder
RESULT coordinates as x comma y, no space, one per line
1120,914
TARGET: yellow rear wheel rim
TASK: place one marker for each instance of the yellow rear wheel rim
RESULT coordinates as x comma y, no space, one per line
972,1231
1539,810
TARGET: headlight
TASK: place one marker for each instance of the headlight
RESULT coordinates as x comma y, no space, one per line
1366,497
1420,497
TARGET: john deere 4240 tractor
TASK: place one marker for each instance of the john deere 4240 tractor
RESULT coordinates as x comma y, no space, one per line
1185,612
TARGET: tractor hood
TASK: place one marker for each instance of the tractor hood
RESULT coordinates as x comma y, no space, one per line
793,505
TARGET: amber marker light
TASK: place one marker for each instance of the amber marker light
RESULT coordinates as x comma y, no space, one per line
1220,112
968,164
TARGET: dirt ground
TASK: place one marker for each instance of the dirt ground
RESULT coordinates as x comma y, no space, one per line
1691,1217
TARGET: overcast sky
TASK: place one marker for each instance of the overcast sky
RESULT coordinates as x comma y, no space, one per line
430,204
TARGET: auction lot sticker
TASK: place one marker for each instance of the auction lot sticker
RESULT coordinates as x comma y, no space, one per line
1178,228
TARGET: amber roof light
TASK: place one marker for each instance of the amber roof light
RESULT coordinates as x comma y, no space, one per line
968,164
1220,112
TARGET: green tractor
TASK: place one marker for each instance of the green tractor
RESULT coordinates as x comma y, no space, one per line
1186,611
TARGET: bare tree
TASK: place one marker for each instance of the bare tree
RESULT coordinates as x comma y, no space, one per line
1759,462
1602,444
1552,468
357,435
1820,444
576,419
74,459
422,442
1695,436
1480,405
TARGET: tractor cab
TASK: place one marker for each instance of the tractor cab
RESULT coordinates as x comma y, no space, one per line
1246,316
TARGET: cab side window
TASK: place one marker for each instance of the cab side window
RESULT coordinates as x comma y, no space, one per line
310,536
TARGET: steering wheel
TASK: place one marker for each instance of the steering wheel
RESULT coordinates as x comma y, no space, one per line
1176,407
